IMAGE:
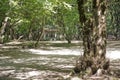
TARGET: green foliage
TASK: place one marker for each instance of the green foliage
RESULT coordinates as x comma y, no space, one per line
113,18
4,8
30,16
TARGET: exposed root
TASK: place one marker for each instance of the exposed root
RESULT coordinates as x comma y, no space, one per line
87,67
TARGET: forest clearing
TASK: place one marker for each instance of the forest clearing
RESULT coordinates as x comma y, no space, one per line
45,63
59,40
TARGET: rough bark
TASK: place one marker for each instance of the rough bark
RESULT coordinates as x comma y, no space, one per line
94,38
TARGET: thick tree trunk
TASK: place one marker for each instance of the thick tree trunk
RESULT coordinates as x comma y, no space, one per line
99,35
94,38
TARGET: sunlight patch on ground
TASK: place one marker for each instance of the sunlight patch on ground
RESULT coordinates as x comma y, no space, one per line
9,47
5,57
5,73
112,54
13,42
65,66
33,73
56,52
27,75
7,68
38,75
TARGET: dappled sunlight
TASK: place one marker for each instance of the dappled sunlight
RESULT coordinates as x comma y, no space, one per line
111,53
5,57
115,54
26,75
51,64
67,66
37,75
55,39
35,67
56,52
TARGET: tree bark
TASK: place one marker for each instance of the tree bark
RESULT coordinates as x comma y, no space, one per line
94,37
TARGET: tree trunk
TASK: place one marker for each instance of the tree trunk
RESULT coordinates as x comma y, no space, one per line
99,35
94,37
30,31
40,35
2,30
69,41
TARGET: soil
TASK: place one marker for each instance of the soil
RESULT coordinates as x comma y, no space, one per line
17,63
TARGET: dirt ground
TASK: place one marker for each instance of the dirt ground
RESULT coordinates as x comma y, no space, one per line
23,64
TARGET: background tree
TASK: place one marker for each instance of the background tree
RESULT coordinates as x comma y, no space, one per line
28,18
113,19
64,11
4,11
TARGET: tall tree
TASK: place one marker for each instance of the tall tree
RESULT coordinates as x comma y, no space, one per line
4,11
92,18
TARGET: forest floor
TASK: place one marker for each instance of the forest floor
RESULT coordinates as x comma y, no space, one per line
50,61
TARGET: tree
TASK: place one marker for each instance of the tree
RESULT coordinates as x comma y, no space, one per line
92,18
65,20
26,19
113,18
4,18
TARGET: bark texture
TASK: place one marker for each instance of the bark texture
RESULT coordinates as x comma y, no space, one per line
94,37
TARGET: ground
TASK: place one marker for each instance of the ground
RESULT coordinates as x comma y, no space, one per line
51,61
